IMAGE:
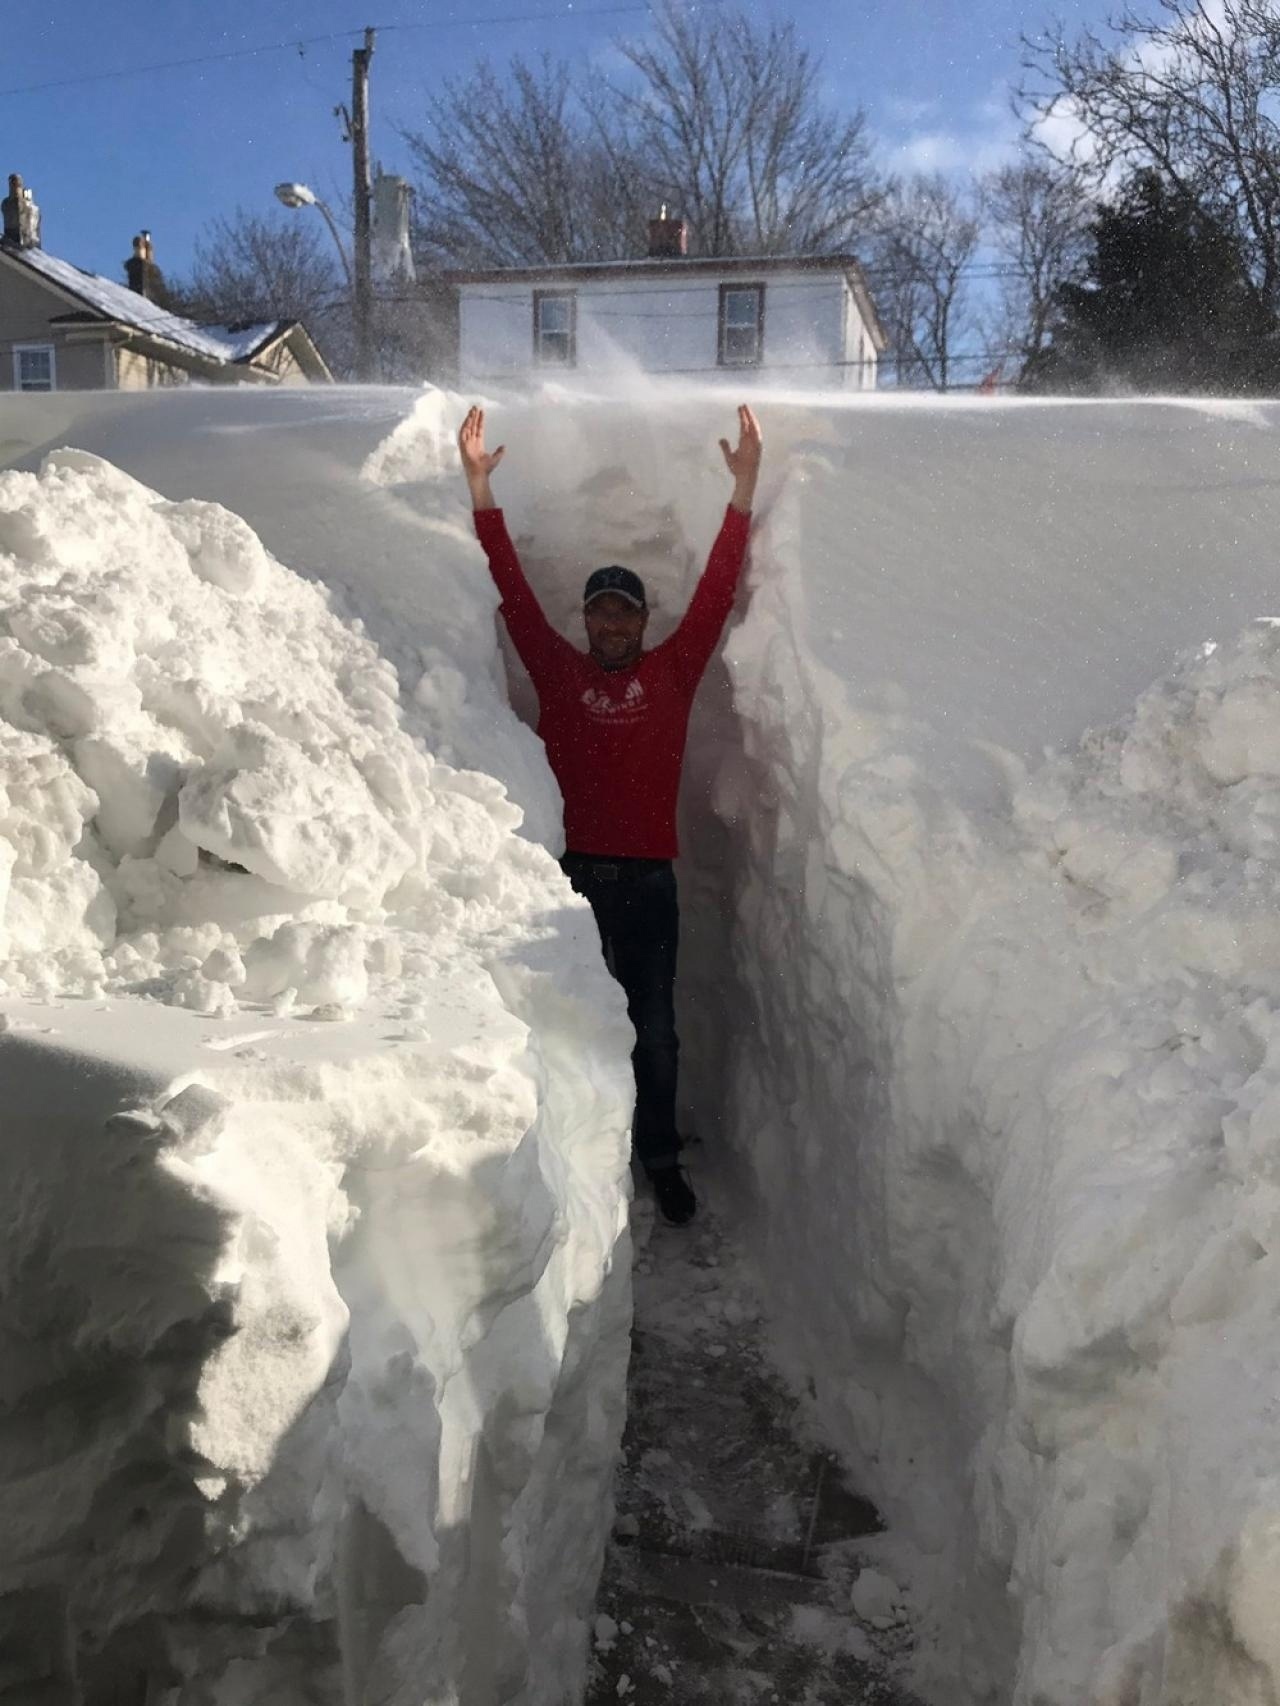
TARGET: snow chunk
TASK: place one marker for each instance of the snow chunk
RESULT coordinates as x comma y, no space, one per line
319,963
262,803
223,549
876,1599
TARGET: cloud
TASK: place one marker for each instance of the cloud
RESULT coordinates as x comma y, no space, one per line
1064,132
608,59
929,151
900,111
1062,129
985,137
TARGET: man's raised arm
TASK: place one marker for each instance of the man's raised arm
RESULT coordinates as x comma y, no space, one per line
477,464
744,462
537,642
695,639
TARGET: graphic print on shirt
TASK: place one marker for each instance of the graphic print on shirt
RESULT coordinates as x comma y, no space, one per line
603,708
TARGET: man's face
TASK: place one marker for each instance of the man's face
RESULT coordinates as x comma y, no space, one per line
615,630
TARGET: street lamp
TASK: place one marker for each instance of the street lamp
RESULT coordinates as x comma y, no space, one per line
299,195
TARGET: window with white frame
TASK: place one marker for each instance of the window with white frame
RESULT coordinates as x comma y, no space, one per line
33,367
741,325
555,328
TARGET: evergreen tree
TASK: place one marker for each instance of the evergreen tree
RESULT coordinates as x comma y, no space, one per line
1168,305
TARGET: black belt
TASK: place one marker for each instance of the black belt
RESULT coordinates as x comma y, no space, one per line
614,869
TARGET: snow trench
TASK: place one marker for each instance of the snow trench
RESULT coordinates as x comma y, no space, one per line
987,1037
986,1034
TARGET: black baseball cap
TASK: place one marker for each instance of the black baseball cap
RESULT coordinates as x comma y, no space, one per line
614,578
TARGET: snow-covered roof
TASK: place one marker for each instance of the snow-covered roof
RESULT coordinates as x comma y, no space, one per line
661,264
244,339
118,302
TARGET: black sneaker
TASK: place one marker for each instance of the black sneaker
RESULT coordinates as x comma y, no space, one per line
676,1202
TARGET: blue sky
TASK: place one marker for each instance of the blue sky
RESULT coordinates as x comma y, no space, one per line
169,149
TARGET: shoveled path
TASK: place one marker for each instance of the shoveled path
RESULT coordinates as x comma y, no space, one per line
736,1541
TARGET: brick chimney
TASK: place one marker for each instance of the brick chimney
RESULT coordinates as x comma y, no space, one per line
141,270
668,237
21,215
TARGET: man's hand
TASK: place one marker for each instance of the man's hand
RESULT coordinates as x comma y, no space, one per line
744,462
477,463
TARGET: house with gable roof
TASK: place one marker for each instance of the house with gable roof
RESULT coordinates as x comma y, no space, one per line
801,320
64,329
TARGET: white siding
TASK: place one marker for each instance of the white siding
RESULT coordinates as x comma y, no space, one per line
664,325
860,349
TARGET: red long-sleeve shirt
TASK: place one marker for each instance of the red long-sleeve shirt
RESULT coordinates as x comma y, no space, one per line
615,737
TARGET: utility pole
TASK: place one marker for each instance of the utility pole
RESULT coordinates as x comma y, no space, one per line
363,195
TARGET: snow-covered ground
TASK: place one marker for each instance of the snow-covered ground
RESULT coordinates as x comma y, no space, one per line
988,1034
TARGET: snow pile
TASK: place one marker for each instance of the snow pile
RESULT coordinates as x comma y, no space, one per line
180,713
317,1105
1005,1089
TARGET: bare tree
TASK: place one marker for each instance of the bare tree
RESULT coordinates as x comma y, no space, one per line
1037,224
927,234
1191,91
515,172
720,117
250,268
728,118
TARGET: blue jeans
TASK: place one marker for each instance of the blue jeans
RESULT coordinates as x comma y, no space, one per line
636,908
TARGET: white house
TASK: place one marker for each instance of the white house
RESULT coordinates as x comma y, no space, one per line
803,320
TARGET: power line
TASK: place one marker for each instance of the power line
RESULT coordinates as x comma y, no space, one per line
978,270
562,14
179,64
570,273
587,299
571,11
766,369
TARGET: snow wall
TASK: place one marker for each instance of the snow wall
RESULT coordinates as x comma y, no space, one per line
987,1034
314,1266
1002,1078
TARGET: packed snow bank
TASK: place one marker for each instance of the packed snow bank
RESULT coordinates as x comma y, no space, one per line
315,1292
1003,1075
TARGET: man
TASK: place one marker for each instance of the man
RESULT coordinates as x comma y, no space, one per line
614,722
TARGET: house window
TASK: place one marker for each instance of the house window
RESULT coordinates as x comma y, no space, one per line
555,328
33,367
741,325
